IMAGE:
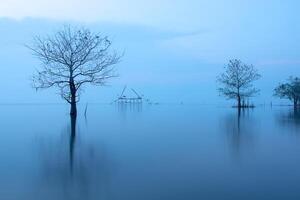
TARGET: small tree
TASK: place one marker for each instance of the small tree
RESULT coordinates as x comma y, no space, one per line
71,58
237,81
289,90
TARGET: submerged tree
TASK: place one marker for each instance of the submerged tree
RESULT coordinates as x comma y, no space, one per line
71,58
237,81
289,90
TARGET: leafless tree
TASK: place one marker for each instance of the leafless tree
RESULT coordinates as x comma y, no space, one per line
71,58
237,81
289,90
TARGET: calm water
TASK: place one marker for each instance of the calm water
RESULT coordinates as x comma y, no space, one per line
149,152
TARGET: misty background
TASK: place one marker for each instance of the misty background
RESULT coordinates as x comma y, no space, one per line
173,49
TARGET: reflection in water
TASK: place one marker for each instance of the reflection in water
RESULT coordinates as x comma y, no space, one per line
133,107
72,141
74,168
126,109
239,129
164,152
290,119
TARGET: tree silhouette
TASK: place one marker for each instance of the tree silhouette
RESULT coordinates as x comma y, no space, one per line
71,58
289,90
237,81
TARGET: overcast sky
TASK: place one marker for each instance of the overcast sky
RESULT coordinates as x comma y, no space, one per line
169,14
174,49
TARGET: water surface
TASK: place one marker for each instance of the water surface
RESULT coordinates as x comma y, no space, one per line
149,152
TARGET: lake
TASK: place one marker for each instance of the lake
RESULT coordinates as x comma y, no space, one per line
149,152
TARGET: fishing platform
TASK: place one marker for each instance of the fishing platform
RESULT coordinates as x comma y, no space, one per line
129,99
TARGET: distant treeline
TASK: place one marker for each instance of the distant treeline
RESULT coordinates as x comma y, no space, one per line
236,82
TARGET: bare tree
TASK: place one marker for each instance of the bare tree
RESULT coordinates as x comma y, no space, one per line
237,81
71,58
289,90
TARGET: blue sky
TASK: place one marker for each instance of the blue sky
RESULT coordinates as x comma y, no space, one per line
173,49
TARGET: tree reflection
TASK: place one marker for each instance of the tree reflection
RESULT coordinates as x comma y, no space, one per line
290,119
72,167
72,140
239,130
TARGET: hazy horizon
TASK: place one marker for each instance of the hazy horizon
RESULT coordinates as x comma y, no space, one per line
170,55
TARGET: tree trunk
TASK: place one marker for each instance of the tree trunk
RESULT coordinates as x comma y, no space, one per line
239,102
73,111
295,103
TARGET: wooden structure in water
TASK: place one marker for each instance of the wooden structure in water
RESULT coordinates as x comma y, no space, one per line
245,104
130,99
